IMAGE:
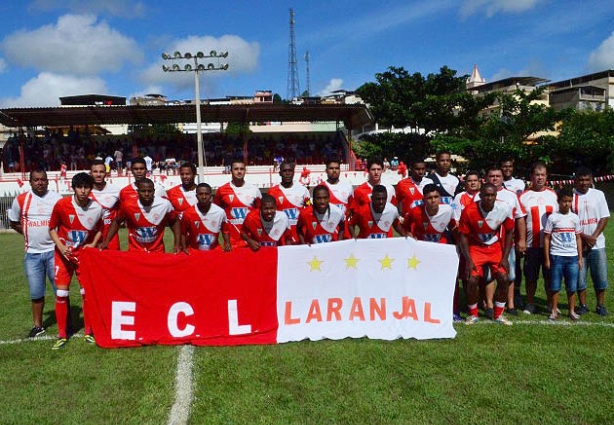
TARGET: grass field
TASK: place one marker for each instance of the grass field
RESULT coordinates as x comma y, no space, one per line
534,372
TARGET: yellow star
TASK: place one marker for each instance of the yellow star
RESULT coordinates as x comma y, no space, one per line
412,263
350,263
386,262
315,264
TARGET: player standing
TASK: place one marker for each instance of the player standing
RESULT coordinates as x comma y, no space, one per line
237,198
107,195
139,172
480,229
183,196
29,216
362,194
341,193
409,190
290,197
448,184
75,225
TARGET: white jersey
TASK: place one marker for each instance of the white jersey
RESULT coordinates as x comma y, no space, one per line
341,194
34,213
591,207
514,185
148,163
510,199
563,229
107,197
538,205
449,183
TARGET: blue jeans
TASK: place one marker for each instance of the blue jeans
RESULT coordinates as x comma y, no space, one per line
595,260
560,267
38,268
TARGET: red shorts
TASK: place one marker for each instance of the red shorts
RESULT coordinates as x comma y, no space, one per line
486,256
65,269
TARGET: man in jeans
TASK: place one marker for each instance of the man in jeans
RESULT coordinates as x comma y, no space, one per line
592,208
29,216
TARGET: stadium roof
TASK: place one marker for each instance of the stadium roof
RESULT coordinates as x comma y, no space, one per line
352,116
508,82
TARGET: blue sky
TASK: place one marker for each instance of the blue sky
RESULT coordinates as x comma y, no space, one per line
52,48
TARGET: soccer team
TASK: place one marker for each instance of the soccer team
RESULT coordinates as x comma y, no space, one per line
493,224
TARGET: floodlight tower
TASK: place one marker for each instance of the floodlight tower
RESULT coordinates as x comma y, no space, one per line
293,88
307,90
197,68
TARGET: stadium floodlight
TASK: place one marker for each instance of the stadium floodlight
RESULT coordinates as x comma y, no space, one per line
196,68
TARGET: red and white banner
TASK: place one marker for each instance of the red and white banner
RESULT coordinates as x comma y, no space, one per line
380,289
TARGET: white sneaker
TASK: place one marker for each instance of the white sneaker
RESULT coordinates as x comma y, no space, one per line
501,320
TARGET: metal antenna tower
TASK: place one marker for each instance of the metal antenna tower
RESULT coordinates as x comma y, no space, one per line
293,89
308,90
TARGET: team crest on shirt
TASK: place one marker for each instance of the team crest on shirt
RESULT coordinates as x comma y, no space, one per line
197,223
412,190
281,199
425,224
386,223
259,232
137,216
370,223
314,225
180,200
231,197
156,217
71,218
480,223
275,232
214,223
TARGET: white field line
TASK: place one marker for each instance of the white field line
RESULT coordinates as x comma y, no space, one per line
45,337
184,391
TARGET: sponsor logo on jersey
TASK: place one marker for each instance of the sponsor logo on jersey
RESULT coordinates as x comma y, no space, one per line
377,236
323,238
205,240
239,213
76,238
146,234
292,214
268,243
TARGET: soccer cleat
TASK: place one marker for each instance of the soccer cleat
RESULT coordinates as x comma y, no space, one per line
501,320
489,313
457,318
518,301
512,311
471,320
89,338
36,331
582,309
574,316
530,309
61,342
601,310
552,317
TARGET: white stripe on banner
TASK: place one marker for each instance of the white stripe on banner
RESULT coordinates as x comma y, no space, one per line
382,289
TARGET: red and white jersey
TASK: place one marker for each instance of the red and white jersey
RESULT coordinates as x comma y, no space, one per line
34,212
484,228
341,194
321,229
591,207
202,230
409,193
430,228
563,229
362,195
370,227
511,199
254,228
514,185
76,225
538,205
129,192
108,197
460,202
146,224
237,202
180,198
290,200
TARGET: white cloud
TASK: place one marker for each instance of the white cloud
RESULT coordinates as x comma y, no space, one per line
492,7
147,90
333,84
46,89
242,58
122,8
603,57
76,44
